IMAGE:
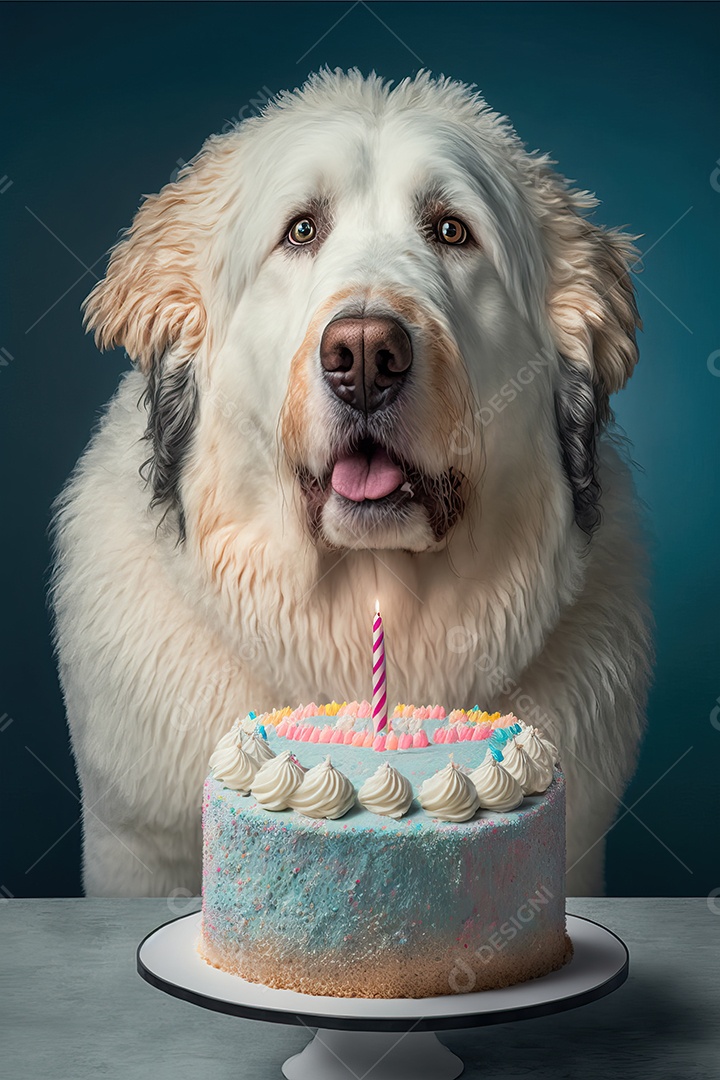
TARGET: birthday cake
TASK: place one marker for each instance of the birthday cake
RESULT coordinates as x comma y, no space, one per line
424,859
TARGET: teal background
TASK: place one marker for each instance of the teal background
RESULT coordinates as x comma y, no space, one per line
101,101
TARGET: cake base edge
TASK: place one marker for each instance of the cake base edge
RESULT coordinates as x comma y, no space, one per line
388,976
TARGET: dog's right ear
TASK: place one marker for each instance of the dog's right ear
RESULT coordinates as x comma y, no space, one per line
151,303
150,299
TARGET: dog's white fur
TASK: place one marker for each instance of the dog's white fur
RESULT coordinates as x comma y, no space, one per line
162,643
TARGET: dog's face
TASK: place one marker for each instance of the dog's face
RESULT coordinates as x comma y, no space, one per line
356,287
394,321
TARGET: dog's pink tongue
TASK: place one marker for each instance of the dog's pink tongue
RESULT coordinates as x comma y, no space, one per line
357,478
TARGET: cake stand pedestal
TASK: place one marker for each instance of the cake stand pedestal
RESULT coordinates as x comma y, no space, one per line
372,1038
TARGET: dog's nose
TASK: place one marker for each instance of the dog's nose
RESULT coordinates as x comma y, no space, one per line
365,360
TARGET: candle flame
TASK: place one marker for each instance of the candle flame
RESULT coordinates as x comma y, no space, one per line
377,607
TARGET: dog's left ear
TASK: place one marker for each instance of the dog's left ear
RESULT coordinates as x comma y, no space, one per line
593,319
591,300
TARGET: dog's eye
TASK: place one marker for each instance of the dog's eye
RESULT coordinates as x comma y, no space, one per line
451,231
302,231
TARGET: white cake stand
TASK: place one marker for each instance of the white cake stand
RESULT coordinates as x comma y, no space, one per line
380,1039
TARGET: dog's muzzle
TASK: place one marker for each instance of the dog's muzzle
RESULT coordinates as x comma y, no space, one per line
365,361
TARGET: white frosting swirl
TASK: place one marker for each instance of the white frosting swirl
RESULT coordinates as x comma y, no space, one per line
386,792
449,794
324,793
520,765
497,788
233,737
539,751
531,734
258,748
234,768
276,781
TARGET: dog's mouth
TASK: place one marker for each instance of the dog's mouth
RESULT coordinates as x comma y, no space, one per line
366,474
372,485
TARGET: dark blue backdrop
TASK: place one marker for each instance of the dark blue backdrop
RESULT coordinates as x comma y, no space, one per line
102,101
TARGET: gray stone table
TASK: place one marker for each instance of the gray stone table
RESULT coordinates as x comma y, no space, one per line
73,1008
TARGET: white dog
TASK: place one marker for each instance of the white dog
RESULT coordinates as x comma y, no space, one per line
374,342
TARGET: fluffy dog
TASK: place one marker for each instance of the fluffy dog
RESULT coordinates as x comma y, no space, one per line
374,341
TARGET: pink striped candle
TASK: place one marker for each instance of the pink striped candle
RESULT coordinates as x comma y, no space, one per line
379,686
